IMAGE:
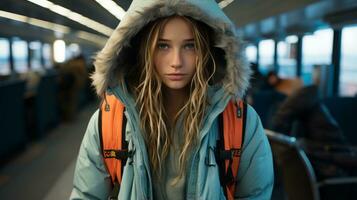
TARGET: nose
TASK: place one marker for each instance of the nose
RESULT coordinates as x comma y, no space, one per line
176,60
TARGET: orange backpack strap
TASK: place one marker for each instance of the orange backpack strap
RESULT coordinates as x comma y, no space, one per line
112,124
232,122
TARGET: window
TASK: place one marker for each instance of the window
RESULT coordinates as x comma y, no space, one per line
73,50
4,57
59,49
20,54
47,55
316,50
348,73
35,55
251,53
287,50
266,56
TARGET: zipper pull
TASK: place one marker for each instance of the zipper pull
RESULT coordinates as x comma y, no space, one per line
239,110
106,107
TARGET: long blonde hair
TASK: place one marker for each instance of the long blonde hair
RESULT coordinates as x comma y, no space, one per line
149,97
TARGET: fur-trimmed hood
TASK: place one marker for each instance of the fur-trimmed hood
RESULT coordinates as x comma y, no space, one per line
141,12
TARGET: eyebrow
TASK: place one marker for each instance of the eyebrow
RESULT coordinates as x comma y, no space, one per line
166,40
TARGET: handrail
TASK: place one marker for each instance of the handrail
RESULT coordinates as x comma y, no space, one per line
291,141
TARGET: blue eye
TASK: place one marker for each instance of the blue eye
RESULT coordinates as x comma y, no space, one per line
162,46
190,46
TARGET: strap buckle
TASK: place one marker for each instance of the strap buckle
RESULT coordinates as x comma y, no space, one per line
118,154
228,154
223,155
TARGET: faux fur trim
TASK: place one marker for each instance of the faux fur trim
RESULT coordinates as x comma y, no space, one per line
142,12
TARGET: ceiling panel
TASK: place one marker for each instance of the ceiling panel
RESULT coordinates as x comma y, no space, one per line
264,16
244,12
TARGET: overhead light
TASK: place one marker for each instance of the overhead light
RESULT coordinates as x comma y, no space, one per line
59,9
13,16
74,16
57,28
113,8
225,3
45,4
49,25
35,22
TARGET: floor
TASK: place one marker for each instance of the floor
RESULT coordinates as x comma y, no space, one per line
44,170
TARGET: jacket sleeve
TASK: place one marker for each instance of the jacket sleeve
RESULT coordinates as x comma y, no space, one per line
91,179
256,174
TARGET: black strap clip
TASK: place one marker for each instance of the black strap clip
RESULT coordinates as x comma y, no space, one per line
223,155
227,154
118,154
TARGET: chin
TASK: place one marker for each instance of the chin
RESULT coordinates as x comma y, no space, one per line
176,86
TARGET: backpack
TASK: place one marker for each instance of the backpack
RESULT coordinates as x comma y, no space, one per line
112,125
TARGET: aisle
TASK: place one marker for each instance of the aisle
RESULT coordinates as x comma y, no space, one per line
45,163
63,186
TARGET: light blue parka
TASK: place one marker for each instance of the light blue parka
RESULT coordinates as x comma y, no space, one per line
255,175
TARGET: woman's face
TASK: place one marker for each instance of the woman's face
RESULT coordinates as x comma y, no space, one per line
175,54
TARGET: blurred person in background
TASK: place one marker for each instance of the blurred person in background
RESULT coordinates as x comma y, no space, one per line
312,119
304,116
72,79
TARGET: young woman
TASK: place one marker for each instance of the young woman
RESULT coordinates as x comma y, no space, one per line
175,66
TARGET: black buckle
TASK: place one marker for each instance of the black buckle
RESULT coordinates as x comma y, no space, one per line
236,152
227,154
118,154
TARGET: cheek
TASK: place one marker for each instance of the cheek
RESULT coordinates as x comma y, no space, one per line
193,62
157,63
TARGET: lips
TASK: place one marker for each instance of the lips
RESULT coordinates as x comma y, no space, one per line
175,77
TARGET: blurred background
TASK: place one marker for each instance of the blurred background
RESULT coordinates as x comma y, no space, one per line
304,87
